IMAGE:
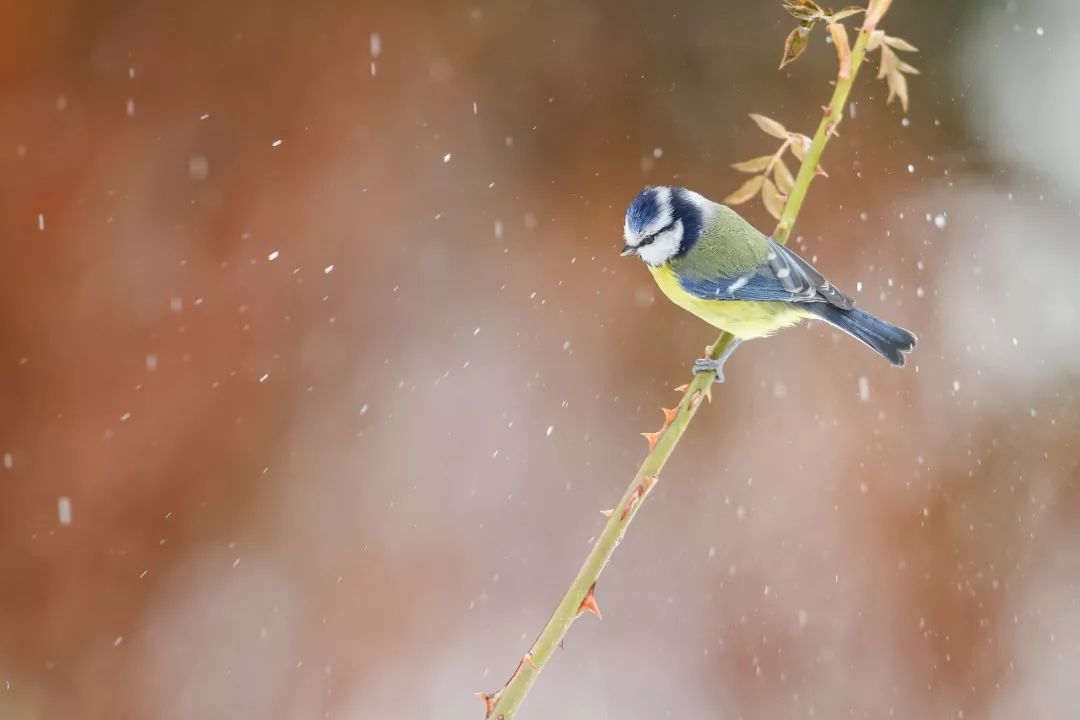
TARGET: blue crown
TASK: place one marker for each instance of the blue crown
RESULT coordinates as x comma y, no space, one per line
643,210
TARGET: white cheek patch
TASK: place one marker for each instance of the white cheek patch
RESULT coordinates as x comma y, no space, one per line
664,247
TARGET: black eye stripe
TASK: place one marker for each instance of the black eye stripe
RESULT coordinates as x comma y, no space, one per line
651,238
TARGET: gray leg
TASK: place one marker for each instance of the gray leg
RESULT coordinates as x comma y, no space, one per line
707,364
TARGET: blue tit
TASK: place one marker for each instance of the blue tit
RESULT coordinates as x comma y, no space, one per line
717,266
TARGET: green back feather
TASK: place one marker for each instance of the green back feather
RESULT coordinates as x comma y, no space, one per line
728,246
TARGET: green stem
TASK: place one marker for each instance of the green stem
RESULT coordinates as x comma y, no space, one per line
832,116
504,704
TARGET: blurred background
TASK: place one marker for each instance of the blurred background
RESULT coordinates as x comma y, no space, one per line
319,363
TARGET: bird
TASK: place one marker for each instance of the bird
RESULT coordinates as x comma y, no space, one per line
714,264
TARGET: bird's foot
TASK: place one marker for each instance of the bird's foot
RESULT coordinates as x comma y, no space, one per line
707,364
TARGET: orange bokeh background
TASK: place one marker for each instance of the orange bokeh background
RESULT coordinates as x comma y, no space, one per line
315,317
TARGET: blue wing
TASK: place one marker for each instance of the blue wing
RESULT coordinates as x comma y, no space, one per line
783,277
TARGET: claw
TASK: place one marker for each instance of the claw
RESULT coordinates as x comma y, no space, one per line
588,603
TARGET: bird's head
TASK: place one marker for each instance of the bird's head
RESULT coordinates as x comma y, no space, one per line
663,223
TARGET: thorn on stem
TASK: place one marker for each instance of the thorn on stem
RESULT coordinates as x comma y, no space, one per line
682,388
489,701
669,415
820,171
529,659
653,438
588,604
638,492
608,513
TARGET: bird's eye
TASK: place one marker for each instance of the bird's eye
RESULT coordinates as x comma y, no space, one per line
648,240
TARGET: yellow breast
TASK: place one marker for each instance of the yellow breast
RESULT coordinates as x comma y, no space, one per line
742,318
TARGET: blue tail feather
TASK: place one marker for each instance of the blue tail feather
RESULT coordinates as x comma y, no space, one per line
887,340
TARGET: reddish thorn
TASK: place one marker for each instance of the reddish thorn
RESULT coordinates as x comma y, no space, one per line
608,513
653,438
588,604
683,388
638,492
669,415
826,109
820,171
489,701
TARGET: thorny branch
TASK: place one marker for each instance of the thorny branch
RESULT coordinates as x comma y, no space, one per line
581,596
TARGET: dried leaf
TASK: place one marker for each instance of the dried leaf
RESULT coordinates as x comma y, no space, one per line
784,180
904,67
769,126
888,62
746,191
771,197
799,145
843,48
899,44
804,10
795,44
898,88
875,11
755,165
845,13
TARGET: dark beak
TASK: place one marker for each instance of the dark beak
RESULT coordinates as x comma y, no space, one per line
628,250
